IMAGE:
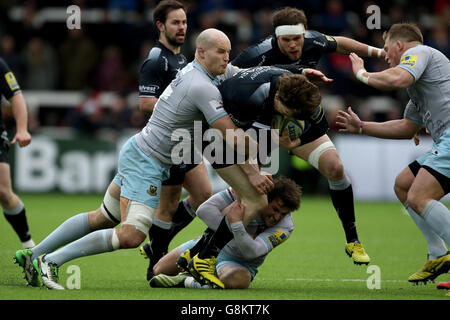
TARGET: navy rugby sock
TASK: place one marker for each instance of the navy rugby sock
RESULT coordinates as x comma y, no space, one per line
342,197
218,240
18,220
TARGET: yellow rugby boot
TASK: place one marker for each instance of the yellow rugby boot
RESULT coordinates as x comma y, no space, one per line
431,269
355,250
204,271
183,260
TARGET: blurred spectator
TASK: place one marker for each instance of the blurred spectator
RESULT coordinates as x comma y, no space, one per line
12,57
79,57
41,65
135,66
334,20
110,74
118,116
440,38
87,118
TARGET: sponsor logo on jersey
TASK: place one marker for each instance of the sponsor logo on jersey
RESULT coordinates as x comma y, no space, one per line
11,80
409,60
329,38
277,238
148,89
319,43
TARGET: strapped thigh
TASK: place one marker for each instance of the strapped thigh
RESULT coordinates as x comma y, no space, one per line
140,216
314,156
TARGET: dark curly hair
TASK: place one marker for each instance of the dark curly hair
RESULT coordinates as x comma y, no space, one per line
296,92
288,16
288,191
163,8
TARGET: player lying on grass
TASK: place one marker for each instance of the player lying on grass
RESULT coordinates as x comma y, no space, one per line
425,73
239,260
293,43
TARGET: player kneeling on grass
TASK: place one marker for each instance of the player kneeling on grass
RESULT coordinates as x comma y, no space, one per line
239,260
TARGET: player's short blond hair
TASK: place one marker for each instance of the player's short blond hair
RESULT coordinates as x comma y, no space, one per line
406,32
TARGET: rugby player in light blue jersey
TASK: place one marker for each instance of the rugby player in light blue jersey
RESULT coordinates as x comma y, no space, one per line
240,259
425,73
144,162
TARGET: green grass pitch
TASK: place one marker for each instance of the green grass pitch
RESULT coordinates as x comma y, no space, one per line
311,265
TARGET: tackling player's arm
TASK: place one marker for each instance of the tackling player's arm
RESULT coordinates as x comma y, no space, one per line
394,129
250,247
346,46
389,79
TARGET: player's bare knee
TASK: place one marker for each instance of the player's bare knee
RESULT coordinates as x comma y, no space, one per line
236,280
6,196
130,237
334,170
415,202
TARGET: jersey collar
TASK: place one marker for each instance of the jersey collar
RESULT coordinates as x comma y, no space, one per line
214,79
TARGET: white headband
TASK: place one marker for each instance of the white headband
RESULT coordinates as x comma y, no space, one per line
289,29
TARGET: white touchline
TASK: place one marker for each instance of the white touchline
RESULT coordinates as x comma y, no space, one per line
332,280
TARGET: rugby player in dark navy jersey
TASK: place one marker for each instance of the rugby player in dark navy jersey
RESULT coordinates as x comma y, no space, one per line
158,70
293,44
13,208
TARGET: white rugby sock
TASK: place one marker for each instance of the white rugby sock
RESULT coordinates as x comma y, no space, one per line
70,230
436,246
438,217
94,243
190,282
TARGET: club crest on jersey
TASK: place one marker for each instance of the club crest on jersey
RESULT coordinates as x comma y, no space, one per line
11,80
152,191
409,61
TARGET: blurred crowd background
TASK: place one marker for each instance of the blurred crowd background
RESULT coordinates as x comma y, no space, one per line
115,36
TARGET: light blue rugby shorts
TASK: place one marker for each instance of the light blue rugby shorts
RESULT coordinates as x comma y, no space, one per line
438,158
139,176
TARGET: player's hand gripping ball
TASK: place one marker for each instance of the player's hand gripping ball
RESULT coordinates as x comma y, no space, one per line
293,126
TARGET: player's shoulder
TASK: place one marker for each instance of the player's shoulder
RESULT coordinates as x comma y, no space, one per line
3,66
419,49
254,55
316,38
156,59
199,83
424,50
417,53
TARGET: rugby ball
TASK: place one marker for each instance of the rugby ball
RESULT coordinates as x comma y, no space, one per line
293,126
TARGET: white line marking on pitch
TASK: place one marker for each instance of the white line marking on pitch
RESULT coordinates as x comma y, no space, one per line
332,280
